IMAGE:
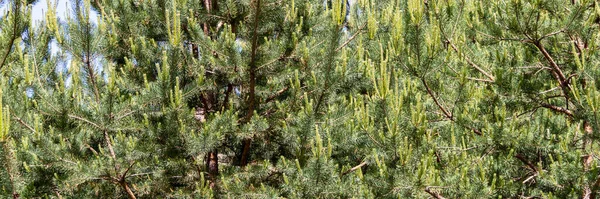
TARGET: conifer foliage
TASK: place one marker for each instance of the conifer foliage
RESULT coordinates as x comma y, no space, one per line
300,99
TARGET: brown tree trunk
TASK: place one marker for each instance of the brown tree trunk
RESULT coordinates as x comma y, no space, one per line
213,167
251,93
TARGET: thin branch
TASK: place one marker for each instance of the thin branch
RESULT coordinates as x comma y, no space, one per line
433,193
91,149
23,123
373,139
128,190
560,76
557,109
140,174
111,150
282,57
480,80
553,33
351,38
124,115
7,156
354,168
549,90
88,62
272,97
491,78
526,162
439,105
85,121
124,175
14,33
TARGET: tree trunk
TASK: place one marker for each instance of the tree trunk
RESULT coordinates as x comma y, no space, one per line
213,167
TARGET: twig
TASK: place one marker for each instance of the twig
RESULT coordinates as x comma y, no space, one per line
124,175
430,92
481,80
85,121
433,193
23,123
491,78
14,33
560,76
272,97
354,168
553,33
91,149
558,109
526,162
351,38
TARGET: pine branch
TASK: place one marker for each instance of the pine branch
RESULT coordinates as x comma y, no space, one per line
120,181
91,149
87,60
112,151
86,121
360,30
480,80
328,69
447,114
14,33
552,34
124,175
526,162
128,190
437,103
490,77
557,109
57,193
558,73
433,193
23,123
207,6
354,168
272,97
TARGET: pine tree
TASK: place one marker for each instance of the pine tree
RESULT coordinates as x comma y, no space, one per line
300,99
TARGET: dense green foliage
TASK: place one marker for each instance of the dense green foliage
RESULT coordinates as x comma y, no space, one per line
301,99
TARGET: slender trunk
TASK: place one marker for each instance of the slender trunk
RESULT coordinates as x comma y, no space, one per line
212,158
244,159
252,84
